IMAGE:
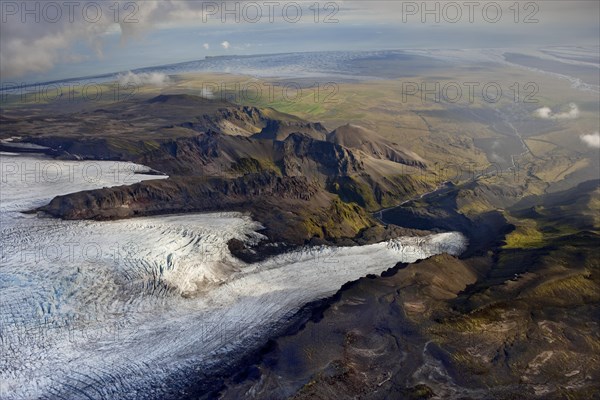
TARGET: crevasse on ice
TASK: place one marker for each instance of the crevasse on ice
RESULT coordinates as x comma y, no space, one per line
111,309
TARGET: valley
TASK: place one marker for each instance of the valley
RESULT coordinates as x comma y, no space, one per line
377,246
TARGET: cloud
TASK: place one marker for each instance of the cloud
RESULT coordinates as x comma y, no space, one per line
36,47
543,112
30,46
145,78
225,44
206,46
591,140
546,113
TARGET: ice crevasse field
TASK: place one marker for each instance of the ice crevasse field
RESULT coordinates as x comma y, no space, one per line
96,309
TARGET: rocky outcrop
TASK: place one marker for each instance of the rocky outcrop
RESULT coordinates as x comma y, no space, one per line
370,143
281,130
181,194
300,155
293,210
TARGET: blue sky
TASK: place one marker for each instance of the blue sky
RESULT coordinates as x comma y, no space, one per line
175,31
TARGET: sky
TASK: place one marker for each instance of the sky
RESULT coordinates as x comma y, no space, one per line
47,40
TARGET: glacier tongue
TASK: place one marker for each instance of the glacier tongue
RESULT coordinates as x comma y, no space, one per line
112,309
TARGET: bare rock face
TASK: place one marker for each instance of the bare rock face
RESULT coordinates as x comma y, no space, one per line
293,210
305,156
296,155
370,143
281,130
179,194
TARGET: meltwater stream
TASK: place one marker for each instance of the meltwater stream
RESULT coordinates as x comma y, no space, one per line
112,310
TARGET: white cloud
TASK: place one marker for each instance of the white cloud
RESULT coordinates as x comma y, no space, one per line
35,47
591,140
153,79
546,113
206,46
225,44
543,112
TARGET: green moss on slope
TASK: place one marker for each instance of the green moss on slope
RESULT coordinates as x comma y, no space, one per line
339,220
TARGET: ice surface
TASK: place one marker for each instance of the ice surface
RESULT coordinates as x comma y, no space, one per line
347,65
112,310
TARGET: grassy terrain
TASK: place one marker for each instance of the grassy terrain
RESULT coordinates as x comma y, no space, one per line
442,132
515,322
512,320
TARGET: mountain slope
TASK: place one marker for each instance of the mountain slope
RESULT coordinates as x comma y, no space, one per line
373,145
217,148
513,322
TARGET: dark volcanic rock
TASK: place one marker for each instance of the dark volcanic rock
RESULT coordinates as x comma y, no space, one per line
176,195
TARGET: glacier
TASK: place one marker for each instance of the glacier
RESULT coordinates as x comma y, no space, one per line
114,309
